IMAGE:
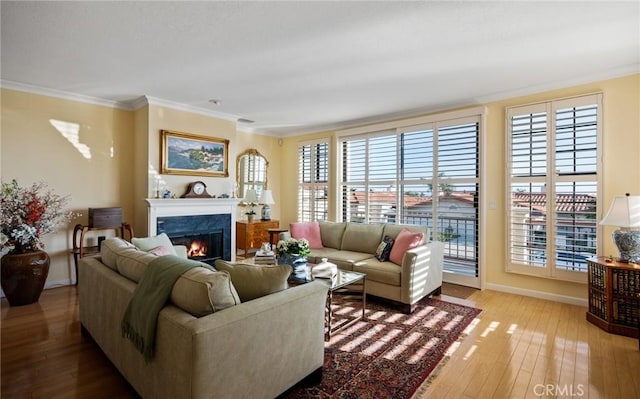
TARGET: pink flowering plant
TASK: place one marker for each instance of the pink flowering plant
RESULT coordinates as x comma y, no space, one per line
27,214
294,246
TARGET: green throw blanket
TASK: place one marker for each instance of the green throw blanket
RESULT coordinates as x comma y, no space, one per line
150,296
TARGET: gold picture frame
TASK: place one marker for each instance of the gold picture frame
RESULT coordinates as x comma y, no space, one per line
193,155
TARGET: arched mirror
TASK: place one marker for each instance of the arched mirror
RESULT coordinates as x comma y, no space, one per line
251,172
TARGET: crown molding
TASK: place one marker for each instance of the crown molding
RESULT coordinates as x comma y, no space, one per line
65,95
159,102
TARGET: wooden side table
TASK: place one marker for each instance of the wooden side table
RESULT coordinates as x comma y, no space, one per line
251,235
80,250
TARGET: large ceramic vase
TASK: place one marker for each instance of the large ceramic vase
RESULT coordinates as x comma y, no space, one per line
298,264
23,276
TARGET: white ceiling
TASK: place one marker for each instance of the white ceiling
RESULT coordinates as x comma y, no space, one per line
295,67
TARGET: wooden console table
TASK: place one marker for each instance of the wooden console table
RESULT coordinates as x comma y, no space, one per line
251,235
614,296
80,250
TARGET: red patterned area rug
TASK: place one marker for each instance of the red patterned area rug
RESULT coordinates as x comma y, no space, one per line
390,354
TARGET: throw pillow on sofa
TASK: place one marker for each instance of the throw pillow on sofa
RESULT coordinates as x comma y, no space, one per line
253,282
384,249
201,291
160,244
310,231
405,241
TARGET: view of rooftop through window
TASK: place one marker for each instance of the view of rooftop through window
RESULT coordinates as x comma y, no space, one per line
553,179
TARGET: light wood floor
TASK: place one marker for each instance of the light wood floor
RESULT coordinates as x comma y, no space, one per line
515,348
522,347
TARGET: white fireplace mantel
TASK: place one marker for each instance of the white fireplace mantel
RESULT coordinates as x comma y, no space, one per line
192,206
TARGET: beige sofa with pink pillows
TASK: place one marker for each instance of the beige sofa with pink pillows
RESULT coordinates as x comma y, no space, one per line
214,338
406,271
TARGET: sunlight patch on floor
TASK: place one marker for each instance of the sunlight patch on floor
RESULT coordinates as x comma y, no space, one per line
490,328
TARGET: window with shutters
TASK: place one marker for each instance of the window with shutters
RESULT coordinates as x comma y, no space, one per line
553,181
313,180
424,175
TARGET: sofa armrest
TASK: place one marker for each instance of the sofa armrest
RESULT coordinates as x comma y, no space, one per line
421,271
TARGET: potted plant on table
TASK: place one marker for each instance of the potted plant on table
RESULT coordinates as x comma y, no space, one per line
294,252
26,214
250,215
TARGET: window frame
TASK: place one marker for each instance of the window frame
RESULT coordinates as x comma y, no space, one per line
549,269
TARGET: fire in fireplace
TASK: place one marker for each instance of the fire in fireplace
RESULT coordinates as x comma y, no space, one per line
205,247
197,249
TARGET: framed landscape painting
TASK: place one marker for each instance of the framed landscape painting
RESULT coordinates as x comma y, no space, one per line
190,154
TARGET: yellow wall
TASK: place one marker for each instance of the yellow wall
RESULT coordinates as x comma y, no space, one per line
34,150
621,144
163,118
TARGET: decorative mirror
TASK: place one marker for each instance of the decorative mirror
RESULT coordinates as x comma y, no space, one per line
251,172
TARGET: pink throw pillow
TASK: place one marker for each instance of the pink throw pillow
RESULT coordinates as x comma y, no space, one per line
161,251
308,230
405,241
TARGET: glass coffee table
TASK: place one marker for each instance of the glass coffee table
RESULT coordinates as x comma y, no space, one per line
343,281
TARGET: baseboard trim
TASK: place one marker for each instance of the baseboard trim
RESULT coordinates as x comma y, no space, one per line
539,294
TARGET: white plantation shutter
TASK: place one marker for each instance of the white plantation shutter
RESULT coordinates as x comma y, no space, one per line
552,177
313,180
369,177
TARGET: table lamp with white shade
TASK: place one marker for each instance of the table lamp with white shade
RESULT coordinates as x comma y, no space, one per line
625,213
266,199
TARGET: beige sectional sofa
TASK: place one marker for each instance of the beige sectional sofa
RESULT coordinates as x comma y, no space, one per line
207,344
352,246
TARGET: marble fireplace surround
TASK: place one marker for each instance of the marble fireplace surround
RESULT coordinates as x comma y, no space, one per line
160,208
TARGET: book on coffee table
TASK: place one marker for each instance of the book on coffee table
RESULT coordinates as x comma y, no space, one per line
265,258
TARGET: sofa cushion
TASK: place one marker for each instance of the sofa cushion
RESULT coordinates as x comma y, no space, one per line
405,241
316,255
149,243
310,231
253,282
133,262
359,237
384,249
346,259
201,291
109,250
382,272
331,234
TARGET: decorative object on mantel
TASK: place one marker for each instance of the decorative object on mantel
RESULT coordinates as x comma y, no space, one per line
190,154
625,213
252,200
294,252
197,189
27,214
266,199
